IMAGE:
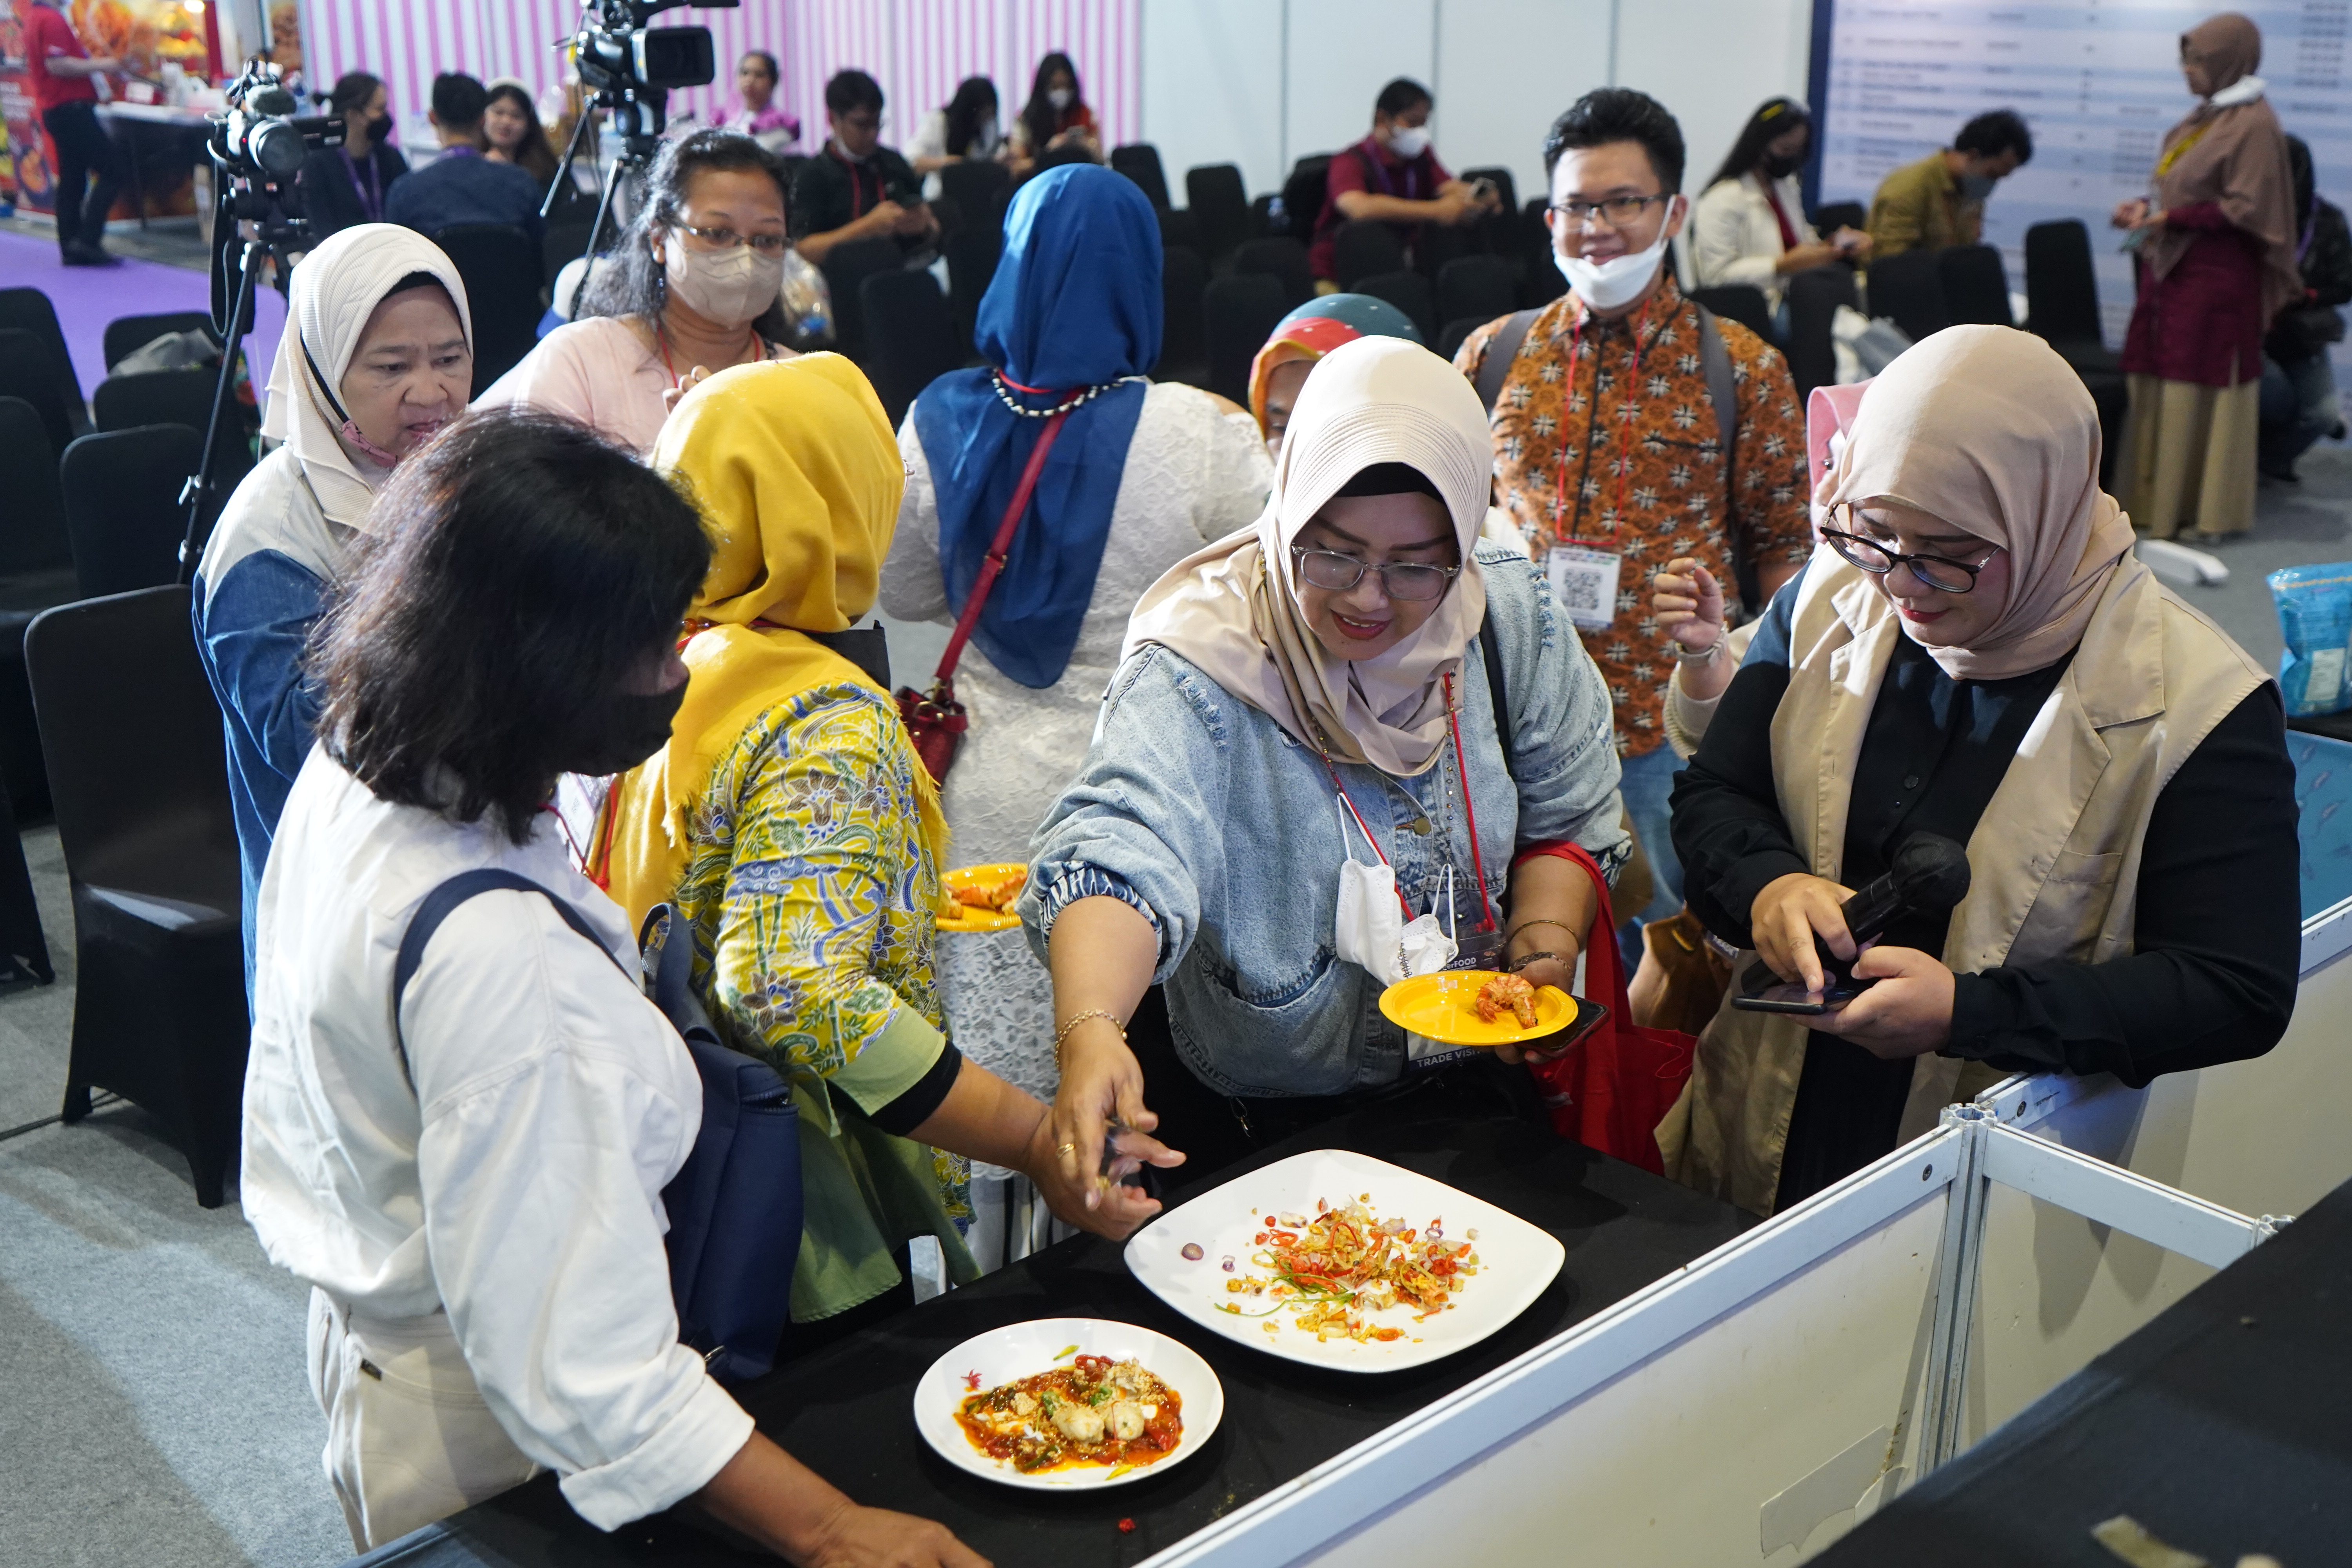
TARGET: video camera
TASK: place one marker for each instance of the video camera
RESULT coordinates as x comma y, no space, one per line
262,139
630,67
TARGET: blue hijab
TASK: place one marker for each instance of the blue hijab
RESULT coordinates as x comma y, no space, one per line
1074,304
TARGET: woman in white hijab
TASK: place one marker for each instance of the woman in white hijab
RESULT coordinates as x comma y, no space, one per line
1299,716
1975,654
377,355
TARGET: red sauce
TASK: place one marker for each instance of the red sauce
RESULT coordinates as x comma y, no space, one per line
1040,1446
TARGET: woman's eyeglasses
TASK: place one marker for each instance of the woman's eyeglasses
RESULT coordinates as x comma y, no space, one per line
1940,572
1399,579
1619,210
715,239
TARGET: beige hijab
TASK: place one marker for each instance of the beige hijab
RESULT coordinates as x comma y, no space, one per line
1986,429
336,288
1233,609
2231,152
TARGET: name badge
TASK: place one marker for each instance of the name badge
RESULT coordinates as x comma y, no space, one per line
1584,580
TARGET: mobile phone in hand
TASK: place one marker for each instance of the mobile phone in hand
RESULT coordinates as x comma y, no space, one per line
1797,999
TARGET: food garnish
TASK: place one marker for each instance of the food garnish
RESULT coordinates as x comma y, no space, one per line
1347,1262
1095,1411
1190,1252
1065,1349
1507,993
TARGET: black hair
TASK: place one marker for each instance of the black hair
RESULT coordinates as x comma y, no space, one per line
628,282
351,92
851,90
974,100
458,100
1039,114
533,155
2300,175
1609,114
1390,479
517,571
1400,96
1773,118
1993,132
775,71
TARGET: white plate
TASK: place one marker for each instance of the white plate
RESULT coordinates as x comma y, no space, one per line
1516,1260
1024,1350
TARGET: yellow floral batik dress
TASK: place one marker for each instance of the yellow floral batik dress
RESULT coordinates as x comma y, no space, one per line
811,893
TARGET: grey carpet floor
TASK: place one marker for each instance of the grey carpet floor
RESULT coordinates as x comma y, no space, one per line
153,1406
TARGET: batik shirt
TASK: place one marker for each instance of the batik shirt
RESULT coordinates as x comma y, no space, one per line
812,894
1625,456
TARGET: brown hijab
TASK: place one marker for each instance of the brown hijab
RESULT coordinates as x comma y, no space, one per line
2231,152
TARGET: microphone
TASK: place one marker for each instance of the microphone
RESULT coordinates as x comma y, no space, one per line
1930,874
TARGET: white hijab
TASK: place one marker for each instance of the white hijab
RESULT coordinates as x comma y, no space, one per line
336,288
1233,608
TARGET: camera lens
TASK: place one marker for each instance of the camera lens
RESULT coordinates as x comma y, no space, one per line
276,147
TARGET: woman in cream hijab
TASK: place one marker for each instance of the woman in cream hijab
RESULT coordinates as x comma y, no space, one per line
1303,694
1975,653
377,355
791,825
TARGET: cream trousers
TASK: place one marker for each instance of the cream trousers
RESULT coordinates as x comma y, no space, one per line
409,1439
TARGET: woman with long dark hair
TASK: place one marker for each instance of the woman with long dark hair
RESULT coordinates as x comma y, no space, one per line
344,185
1749,224
692,288
1056,125
469,1177
965,128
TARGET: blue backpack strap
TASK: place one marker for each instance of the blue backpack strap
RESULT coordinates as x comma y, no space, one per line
438,905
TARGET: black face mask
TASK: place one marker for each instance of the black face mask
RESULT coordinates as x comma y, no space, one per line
619,732
1781,168
379,130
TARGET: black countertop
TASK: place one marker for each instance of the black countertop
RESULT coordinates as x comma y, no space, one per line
845,1410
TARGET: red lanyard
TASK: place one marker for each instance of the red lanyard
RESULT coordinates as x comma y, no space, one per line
1624,427
1469,813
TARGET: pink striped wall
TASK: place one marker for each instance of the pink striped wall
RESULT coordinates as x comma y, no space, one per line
918,50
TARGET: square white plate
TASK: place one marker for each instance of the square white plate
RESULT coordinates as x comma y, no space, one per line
1516,1260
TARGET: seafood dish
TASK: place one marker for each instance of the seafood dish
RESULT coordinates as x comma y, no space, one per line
1328,1272
1507,993
1093,1410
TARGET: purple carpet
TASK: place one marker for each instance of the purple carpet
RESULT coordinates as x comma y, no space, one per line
87,298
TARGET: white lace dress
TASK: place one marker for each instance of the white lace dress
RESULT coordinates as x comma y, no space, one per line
1193,475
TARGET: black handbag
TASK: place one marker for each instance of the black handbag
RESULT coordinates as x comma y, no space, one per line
735,1206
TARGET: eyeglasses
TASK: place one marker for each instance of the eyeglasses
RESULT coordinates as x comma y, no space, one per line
1940,572
1407,580
715,239
1619,210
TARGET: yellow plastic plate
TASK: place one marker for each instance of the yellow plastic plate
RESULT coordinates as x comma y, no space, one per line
972,920
1442,1007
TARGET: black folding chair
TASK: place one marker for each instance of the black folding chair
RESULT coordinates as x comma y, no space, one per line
562,243
909,336
1539,279
1506,185
502,269
1909,290
1832,216
973,185
122,505
126,335
1741,302
1139,161
1976,285
1303,195
1184,331
1481,286
1362,248
1218,199
36,572
28,370
2062,307
846,266
179,397
973,252
1410,292
151,859
1180,228
1814,295
1242,312
1282,258
29,310
1456,332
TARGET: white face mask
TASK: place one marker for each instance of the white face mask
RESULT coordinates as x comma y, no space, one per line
1369,928
729,285
984,137
1061,98
1409,141
1605,285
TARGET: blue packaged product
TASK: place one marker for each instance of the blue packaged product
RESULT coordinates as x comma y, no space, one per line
2314,611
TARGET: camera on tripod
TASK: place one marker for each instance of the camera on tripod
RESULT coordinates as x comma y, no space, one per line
262,138
631,67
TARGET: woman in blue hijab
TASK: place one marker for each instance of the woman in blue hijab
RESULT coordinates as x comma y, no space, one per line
1139,475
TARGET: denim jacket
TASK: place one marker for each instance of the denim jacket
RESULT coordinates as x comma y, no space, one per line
1207,817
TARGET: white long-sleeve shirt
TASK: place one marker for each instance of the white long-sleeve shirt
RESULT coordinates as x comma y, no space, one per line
1735,237
518,1187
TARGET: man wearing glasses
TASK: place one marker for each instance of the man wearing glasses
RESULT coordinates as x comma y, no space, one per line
856,188
1609,441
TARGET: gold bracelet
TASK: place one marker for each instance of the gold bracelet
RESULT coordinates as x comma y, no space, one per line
1075,1020
1537,922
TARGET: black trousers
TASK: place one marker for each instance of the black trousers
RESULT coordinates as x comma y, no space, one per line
84,149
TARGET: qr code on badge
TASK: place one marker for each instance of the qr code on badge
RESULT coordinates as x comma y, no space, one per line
1584,594
1585,583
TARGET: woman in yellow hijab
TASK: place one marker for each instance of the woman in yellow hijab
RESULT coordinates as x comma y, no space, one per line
792,823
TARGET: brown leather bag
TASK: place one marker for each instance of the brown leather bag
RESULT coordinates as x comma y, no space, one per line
935,721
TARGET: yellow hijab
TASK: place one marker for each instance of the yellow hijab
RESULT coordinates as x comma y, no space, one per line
799,477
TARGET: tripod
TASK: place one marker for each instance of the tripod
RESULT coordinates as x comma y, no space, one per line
637,147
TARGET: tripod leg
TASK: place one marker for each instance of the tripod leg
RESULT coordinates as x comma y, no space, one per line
199,487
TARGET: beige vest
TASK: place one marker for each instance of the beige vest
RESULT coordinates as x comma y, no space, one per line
2053,863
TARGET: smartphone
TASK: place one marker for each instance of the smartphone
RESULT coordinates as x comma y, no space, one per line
1481,187
1797,999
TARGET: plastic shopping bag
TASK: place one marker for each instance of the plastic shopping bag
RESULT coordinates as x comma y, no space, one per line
2314,611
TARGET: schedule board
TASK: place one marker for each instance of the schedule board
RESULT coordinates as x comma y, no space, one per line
2098,82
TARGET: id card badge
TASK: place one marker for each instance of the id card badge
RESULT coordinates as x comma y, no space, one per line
1584,581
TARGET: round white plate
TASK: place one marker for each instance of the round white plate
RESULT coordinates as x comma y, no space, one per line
1023,1350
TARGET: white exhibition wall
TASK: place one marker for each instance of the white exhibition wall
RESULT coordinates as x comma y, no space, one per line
1261,83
